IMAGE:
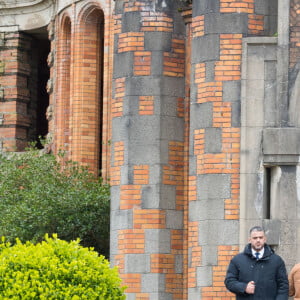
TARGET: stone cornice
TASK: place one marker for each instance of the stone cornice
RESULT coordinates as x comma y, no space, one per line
26,14
11,4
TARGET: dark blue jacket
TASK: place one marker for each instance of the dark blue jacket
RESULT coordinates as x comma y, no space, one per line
268,273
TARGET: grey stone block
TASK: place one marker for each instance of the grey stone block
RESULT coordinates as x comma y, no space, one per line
157,241
194,293
114,197
231,91
168,197
153,283
179,25
141,86
172,129
209,256
236,114
114,242
226,23
155,197
155,174
193,163
119,7
137,263
218,232
126,175
131,21
210,71
262,52
123,64
144,153
119,130
150,197
157,64
205,48
212,209
213,140
204,276
168,106
173,86
201,116
161,296
158,41
144,129
214,186
130,296
263,7
121,219
158,196
281,141
205,7
155,86
178,264
174,219
130,106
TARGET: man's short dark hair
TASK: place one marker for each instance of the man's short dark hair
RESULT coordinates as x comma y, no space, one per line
256,228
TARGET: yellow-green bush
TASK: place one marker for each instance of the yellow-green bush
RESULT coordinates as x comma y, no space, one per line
56,269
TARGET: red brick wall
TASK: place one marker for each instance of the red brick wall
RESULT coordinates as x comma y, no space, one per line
82,71
15,70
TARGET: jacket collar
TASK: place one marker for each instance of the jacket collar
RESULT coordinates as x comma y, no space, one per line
267,253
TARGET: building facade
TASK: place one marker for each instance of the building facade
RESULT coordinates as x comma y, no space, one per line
190,109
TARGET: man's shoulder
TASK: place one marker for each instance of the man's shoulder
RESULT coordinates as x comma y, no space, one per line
276,257
240,256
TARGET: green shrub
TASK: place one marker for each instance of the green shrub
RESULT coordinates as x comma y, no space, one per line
56,269
38,197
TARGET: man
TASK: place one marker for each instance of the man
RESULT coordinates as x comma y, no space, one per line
294,282
257,273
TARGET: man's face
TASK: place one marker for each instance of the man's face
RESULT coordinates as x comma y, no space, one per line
257,240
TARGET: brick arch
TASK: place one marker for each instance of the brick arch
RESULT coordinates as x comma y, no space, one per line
87,98
64,84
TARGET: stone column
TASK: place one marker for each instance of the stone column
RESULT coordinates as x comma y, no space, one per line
218,27
147,148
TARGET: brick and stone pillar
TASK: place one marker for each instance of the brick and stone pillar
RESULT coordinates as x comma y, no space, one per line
15,83
147,171
218,27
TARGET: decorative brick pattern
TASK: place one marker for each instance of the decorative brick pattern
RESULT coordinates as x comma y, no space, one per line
131,41
156,22
146,105
229,66
198,26
141,174
256,24
142,63
218,290
229,6
117,103
130,196
174,60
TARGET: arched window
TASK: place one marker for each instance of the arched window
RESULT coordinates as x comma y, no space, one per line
64,87
87,98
